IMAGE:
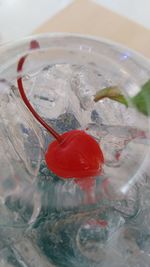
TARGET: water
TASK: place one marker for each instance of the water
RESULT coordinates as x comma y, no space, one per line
49,221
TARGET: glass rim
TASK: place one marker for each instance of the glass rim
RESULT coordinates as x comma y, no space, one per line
50,35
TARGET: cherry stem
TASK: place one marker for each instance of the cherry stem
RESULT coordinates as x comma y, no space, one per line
33,45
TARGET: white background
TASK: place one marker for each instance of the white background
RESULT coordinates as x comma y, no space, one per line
19,18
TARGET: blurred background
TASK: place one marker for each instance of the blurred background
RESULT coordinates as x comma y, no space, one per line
19,18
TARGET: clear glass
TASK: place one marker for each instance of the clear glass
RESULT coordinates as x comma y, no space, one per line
47,221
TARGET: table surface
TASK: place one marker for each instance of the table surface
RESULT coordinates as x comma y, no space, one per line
87,17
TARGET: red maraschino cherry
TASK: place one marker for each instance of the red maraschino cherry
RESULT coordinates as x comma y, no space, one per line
78,155
74,154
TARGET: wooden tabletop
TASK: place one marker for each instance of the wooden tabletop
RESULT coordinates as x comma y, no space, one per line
87,17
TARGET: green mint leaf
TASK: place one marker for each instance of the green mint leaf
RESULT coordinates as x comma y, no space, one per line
142,99
113,93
